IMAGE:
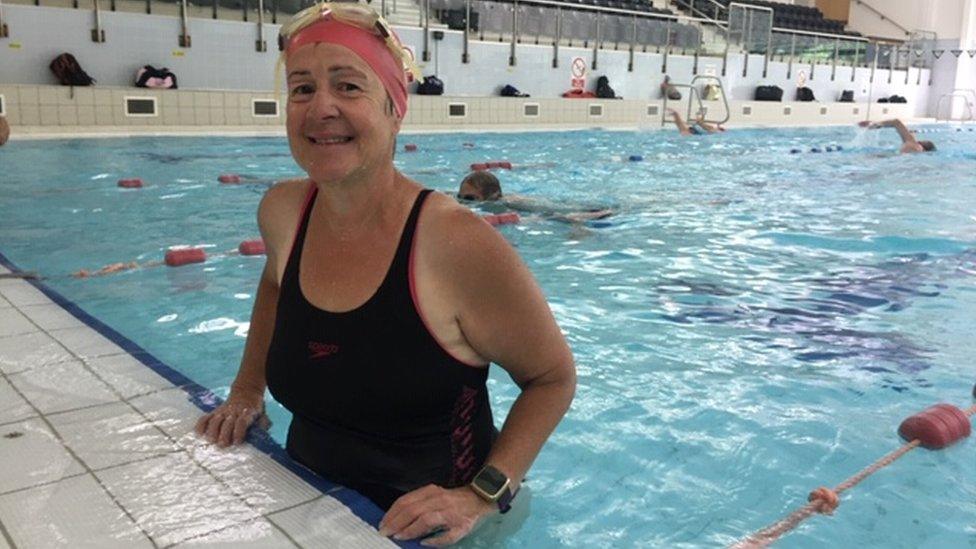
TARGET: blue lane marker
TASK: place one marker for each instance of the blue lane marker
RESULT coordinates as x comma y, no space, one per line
205,400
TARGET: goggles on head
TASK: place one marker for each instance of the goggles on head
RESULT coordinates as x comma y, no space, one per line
353,13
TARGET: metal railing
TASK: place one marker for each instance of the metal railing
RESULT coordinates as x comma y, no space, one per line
883,17
694,93
552,22
963,93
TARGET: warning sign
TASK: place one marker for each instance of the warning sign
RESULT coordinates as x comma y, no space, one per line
578,69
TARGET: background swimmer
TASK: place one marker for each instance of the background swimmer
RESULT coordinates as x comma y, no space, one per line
484,187
698,127
908,142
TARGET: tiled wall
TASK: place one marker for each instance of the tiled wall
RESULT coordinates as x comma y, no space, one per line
64,107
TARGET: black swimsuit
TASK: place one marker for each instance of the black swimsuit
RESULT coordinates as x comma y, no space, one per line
379,406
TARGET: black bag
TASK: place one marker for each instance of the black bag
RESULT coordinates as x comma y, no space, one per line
897,99
431,86
147,72
511,91
847,96
804,94
883,100
454,19
769,93
69,73
603,89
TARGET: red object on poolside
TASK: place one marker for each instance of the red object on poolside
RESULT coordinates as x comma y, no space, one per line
252,247
229,178
134,183
509,218
185,256
936,427
410,147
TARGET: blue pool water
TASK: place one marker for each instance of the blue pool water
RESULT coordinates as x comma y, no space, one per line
752,324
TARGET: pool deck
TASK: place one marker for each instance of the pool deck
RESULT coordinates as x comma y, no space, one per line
97,450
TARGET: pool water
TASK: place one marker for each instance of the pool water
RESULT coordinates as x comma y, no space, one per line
749,325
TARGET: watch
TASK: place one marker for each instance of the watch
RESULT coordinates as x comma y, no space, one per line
493,486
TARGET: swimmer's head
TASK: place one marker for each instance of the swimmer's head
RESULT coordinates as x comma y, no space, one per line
927,146
480,185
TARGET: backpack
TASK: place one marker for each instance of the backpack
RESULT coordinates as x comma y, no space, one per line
151,77
69,73
511,91
804,94
847,96
603,89
431,86
711,93
769,93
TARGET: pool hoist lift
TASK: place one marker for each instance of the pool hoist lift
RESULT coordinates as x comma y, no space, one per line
695,96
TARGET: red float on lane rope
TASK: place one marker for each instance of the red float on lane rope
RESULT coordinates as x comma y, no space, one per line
936,427
252,247
481,166
133,183
228,178
410,147
185,256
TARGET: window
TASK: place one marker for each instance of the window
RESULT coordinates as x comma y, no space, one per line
596,110
530,110
457,110
264,107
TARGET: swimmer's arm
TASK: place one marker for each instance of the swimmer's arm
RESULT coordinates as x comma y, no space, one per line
505,318
906,135
683,128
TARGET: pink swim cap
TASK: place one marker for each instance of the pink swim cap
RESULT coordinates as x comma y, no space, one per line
370,47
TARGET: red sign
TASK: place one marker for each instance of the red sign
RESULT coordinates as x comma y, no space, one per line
578,68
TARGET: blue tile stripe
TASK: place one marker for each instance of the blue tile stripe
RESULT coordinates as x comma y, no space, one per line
206,401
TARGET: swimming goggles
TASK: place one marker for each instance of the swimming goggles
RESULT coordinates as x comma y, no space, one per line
353,13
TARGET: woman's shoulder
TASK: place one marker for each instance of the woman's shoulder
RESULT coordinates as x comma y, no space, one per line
459,236
280,208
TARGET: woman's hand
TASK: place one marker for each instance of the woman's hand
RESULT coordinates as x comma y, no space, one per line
228,424
453,512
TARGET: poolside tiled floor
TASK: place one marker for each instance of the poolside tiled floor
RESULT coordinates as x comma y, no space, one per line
98,450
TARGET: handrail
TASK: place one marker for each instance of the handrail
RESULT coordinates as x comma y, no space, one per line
958,92
883,16
714,20
824,35
725,100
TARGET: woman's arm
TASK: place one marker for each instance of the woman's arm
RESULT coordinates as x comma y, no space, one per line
683,128
505,318
229,422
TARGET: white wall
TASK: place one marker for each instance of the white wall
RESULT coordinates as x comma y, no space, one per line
941,16
223,58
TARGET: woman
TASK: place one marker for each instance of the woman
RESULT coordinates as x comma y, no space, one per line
382,304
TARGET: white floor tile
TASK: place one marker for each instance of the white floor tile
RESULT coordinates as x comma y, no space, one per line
4,304
51,317
13,323
75,512
12,406
110,435
326,522
19,353
3,542
261,481
4,270
172,411
32,455
173,499
259,534
21,293
127,375
60,387
85,342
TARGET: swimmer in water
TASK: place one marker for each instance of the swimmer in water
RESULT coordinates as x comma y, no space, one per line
908,142
697,128
484,187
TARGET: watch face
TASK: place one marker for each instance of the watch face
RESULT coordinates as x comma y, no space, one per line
490,480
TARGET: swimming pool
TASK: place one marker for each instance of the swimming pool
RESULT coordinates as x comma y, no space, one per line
752,324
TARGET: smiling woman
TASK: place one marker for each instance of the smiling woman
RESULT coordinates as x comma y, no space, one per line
372,323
